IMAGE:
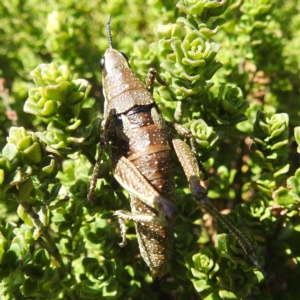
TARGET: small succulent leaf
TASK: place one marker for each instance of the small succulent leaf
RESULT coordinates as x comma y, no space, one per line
283,197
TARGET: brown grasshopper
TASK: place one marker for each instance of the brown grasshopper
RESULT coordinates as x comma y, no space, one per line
141,148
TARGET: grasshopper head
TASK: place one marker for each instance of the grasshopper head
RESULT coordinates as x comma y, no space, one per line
113,60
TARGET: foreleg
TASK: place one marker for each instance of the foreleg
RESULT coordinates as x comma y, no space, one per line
151,76
107,127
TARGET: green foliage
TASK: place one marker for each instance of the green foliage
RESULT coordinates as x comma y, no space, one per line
233,75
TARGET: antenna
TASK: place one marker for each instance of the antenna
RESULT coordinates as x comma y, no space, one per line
109,33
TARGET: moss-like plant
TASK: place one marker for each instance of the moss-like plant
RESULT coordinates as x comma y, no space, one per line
232,81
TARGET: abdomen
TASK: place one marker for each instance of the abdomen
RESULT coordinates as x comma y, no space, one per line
148,149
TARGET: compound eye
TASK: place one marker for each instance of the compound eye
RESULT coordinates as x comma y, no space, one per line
124,55
102,63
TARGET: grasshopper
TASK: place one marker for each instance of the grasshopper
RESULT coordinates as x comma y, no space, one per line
141,148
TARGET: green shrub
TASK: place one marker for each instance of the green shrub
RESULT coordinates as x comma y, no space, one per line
233,74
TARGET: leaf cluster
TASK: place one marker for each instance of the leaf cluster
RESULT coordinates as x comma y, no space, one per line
232,69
